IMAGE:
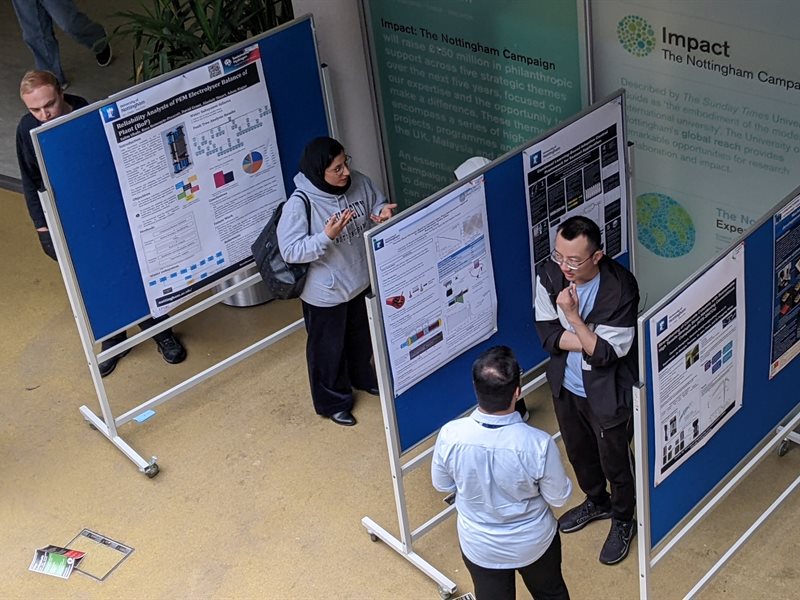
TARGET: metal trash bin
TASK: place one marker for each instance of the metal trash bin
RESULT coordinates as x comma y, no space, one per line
253,296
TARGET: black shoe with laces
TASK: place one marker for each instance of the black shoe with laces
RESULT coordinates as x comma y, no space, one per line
579,517
107,366
618,542
170,348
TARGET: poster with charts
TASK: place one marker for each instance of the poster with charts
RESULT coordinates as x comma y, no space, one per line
785,339
198,166
697,360
436,284
578,170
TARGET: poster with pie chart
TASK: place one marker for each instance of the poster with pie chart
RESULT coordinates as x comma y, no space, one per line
252,162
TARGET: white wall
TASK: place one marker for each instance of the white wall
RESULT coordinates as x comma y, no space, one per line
341,46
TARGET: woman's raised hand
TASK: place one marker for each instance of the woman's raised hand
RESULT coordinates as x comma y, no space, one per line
337,222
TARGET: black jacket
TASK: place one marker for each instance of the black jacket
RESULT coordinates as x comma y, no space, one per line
609,377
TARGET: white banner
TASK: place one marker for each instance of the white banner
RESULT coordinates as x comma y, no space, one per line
713,107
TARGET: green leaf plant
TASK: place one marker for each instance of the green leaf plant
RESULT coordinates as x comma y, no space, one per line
168,34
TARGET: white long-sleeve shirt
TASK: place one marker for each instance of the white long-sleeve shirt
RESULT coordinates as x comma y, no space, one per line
506,475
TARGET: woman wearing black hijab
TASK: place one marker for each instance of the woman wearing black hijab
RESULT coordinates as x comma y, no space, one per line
344,203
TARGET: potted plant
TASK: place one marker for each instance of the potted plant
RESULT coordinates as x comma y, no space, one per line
168,34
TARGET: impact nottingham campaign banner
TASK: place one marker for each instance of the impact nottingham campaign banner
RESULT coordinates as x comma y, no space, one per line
713,106
461,78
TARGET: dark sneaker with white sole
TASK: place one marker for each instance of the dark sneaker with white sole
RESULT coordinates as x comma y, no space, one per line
618,542
170,347
579,517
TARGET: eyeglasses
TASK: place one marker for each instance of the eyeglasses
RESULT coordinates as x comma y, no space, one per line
340,169
570,263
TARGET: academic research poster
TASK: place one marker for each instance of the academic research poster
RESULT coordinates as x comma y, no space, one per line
785,337
697,360
436,284
198,167
578,170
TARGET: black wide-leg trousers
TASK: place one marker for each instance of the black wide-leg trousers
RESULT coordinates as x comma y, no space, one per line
338,352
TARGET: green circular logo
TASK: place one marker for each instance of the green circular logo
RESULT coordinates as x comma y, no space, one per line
664,226
636,35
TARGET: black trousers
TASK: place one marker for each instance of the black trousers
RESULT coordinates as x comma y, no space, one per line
598,454
542,578
146,324
338,352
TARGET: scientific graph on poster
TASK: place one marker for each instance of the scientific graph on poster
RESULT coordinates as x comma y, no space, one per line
697,348
198,166
579,170
436,284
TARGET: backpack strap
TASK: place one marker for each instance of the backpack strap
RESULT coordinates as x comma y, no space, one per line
307,202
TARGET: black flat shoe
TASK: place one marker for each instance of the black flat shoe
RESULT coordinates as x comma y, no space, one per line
372,391
343,417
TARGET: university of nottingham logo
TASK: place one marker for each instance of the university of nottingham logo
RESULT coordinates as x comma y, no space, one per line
636,35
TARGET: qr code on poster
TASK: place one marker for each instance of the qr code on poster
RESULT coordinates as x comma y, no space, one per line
214,69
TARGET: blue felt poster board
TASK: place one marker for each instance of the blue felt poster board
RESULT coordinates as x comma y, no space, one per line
447,393
765,402
85,189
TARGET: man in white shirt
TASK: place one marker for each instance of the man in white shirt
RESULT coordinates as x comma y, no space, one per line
506,476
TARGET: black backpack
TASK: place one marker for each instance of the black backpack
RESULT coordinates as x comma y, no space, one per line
284,280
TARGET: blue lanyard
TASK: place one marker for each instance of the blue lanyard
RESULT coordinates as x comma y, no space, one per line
490,426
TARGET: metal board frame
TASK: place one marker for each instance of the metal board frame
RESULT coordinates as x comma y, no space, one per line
648,554
106,422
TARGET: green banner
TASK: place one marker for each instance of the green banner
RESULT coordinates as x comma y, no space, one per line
463,78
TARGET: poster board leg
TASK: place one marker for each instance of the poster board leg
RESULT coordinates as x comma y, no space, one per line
642,495
376,531
741,541
96,422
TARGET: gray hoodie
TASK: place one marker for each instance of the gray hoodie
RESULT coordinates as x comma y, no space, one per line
337,270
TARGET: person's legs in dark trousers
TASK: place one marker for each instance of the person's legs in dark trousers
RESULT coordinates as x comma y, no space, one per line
325,354
37,31
169,346
616,459
491,584
543,577
580,443
358,345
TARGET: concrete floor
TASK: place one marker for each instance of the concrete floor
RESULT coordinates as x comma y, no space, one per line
257,496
